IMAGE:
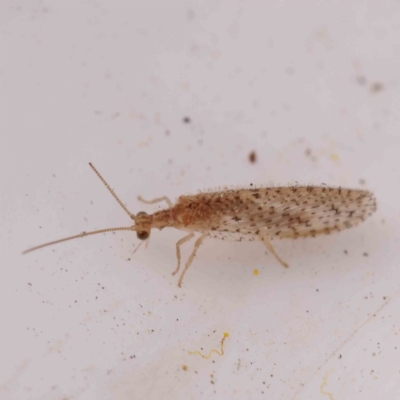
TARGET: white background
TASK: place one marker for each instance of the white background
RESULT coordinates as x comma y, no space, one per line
313,87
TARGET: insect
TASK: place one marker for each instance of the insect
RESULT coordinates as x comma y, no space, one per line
262,214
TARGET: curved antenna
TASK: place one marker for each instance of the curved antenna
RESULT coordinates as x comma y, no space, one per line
111,191
81,235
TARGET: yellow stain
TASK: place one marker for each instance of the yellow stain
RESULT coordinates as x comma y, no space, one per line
220,353
334,157
256,272
323,384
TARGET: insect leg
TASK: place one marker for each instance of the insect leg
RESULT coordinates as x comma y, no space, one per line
157,200
190,259
272,251
178,250
137,247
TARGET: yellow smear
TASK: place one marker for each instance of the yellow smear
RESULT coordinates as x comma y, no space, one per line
323,384
256,272
220,353
334,157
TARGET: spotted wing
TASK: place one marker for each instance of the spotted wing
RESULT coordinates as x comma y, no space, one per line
290,212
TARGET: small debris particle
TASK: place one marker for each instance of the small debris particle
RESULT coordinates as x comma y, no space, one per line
309,154
167,132
253,157
345,252
256,272
361,80
190,15
334,157
362,181
186,120
290,71
340,356
365,254
185,367
30,284
376,87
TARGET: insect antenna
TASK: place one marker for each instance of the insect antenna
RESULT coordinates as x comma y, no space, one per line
83,234
111,191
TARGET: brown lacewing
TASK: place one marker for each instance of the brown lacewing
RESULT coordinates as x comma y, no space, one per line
263,214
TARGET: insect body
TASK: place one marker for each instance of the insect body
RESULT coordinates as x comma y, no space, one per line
260,214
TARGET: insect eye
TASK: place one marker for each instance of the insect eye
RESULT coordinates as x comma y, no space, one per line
143,235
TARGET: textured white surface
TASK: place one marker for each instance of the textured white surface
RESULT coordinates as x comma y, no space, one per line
312,87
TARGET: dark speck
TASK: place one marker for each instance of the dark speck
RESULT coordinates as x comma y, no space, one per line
253,157
376,87
186,120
